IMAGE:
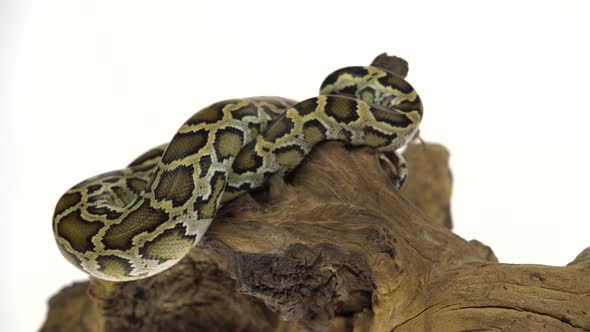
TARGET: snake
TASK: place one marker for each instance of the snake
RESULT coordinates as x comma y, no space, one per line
138,221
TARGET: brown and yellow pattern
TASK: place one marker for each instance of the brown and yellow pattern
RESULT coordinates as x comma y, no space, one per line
139,221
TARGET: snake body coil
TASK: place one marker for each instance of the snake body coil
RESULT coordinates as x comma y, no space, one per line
141,220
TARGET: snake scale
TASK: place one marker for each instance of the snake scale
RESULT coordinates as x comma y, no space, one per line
138,221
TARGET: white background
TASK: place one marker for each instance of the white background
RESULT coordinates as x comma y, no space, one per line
88,85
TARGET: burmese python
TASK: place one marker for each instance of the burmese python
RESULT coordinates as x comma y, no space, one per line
138,221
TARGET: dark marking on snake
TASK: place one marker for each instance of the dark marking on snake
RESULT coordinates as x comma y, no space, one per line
176,185
306,107
78,231
184,145
209,115
280,128
143,219
342,109
67,201
247,160
204,164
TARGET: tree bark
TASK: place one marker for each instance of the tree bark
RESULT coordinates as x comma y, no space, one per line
335,247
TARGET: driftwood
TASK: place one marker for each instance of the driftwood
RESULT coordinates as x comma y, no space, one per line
335,247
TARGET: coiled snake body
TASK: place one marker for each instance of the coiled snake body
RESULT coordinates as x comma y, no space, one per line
139,221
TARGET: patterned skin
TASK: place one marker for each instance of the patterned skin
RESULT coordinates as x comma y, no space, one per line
138,221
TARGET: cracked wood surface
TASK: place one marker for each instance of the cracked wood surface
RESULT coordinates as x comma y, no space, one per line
336,248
